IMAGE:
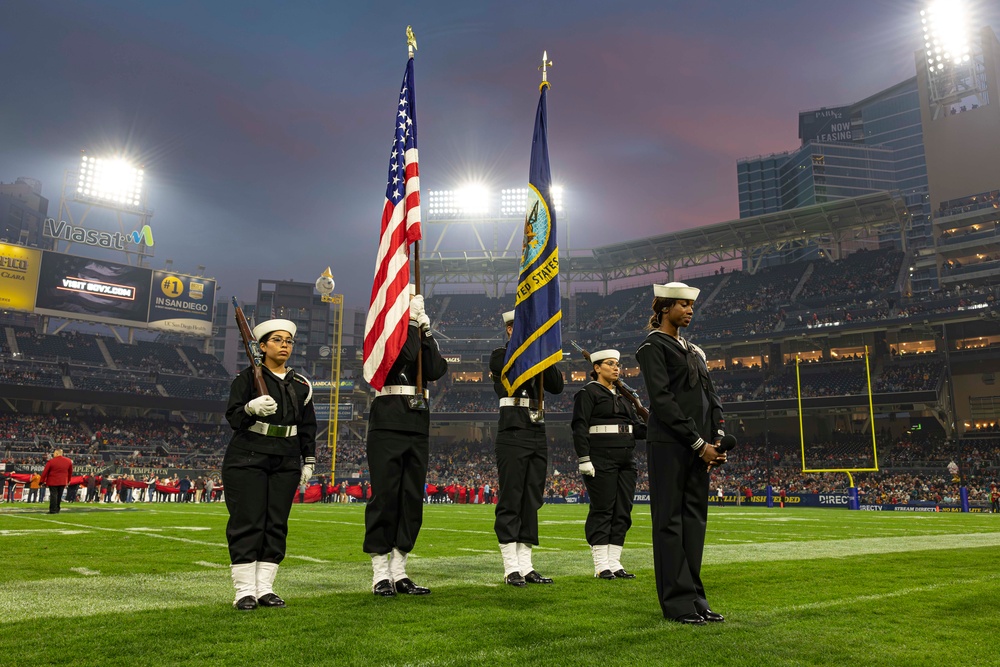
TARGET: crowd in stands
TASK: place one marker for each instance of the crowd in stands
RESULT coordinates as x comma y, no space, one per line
909,377
68,346
471,310
912,468
853,280
122,382
205,365
595,312
33,374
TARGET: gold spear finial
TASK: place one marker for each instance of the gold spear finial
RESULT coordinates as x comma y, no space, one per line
544,68
411,40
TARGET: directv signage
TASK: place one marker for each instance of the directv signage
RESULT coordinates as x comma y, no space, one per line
826,125
184,304
91,289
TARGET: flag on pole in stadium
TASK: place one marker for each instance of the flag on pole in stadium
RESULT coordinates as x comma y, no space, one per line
389,311
536,340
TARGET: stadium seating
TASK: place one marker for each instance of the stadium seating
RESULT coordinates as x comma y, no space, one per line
147,355
68,346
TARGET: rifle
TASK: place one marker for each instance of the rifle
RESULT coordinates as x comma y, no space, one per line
628,391
253,352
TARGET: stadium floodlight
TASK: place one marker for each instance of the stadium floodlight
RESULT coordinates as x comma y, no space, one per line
441,203
110,182
946,34
473,199
557,198
513,201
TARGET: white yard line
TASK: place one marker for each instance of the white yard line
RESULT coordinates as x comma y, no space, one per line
146,532
843,602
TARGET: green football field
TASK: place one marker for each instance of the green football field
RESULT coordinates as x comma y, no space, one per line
149,584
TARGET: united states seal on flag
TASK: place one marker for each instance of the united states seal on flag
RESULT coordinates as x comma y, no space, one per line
389,311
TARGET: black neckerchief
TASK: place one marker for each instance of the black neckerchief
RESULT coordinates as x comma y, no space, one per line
289,401
614,393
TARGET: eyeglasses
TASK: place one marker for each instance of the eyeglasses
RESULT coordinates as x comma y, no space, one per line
613,364
282,341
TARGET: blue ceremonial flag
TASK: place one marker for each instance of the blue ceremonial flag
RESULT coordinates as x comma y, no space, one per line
536,341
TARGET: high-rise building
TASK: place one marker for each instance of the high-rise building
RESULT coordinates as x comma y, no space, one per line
300,303
846,151
22,213
933,138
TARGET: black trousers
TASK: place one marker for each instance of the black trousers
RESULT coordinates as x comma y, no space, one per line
678,493
612,490
522,462
259,492
55,498
397,463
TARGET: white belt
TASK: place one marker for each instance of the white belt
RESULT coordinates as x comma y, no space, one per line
511,402
400,390
611,428
275,430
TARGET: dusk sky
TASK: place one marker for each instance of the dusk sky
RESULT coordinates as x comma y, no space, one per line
264,128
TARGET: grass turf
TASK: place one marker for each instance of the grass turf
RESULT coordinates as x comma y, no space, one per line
114,585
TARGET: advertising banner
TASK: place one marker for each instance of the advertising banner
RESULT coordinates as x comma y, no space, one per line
346,384
345,413
826,125
183,304
18,276
92,289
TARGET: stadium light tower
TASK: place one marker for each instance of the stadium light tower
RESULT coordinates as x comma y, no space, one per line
954,61
113,184
482,212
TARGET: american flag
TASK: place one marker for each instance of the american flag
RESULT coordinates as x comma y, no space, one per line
389,312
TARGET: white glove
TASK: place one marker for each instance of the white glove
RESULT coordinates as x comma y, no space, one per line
587,468
262,406
307,473
416,307
424,322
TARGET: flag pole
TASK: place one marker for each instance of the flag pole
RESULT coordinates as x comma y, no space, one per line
411,46
544,68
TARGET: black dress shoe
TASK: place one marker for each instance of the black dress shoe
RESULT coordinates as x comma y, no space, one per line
711,617
246,603
384,588
270,600
535,578
515,579
407,587
605,574
622,574
689,619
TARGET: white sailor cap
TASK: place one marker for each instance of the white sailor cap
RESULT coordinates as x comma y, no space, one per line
508,317
676,291
270,326
601,355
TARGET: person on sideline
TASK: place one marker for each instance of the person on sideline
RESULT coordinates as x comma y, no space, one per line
605,427
56,475
684,429
398,447
522,463
272,449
